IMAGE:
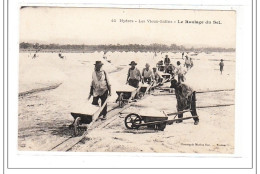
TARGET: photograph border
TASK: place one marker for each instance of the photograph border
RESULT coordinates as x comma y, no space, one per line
5,91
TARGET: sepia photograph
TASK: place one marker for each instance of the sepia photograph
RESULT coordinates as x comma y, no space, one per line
126,80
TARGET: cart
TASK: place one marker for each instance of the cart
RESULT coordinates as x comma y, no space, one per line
166,76
160,67
125,94
145,88
154,120
84,116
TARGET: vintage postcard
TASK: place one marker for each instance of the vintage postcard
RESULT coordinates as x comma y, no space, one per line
127,80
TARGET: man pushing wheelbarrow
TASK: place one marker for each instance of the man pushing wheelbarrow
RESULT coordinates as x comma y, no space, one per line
186,99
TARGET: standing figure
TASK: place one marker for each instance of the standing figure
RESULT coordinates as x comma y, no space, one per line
187,63
180,71
60,55
186,99
34,56
100,87
191,63
167,60
105,56
147,74
221,65
134,75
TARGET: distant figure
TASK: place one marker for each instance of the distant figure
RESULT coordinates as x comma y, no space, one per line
221,65
100,87
186,99
160,65
147,74
187,62
167,60
105,56
191,63
60,55
157,77
182,55
180,72
34,56
134,75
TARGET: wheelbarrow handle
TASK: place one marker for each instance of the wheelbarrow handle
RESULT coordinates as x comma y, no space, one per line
180,112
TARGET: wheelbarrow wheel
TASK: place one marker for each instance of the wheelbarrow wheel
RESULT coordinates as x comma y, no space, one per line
76,126
140,95
132,121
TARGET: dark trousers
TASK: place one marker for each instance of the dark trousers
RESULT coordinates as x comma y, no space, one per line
103,99
180,78
193,108
133,82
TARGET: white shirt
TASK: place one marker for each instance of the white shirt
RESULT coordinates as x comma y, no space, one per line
180,70
147,74
99,83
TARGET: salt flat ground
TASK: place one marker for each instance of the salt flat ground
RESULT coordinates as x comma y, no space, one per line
44,117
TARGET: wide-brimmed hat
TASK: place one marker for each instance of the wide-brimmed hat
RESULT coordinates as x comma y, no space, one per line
98,63
133,63
166,55
147,65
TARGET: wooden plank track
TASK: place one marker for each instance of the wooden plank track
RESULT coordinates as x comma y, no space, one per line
70,142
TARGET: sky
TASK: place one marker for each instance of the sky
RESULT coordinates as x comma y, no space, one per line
94,26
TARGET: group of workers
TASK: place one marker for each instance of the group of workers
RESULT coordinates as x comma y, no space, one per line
134,76
178,70
186,98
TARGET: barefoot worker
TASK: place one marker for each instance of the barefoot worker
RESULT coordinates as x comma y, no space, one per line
134,75
221,65
186,99
147,74
100,87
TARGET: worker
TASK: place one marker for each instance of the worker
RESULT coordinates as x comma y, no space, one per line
147,74
157,77
180,71
221,66
100,88
134,75
186,99
167,60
